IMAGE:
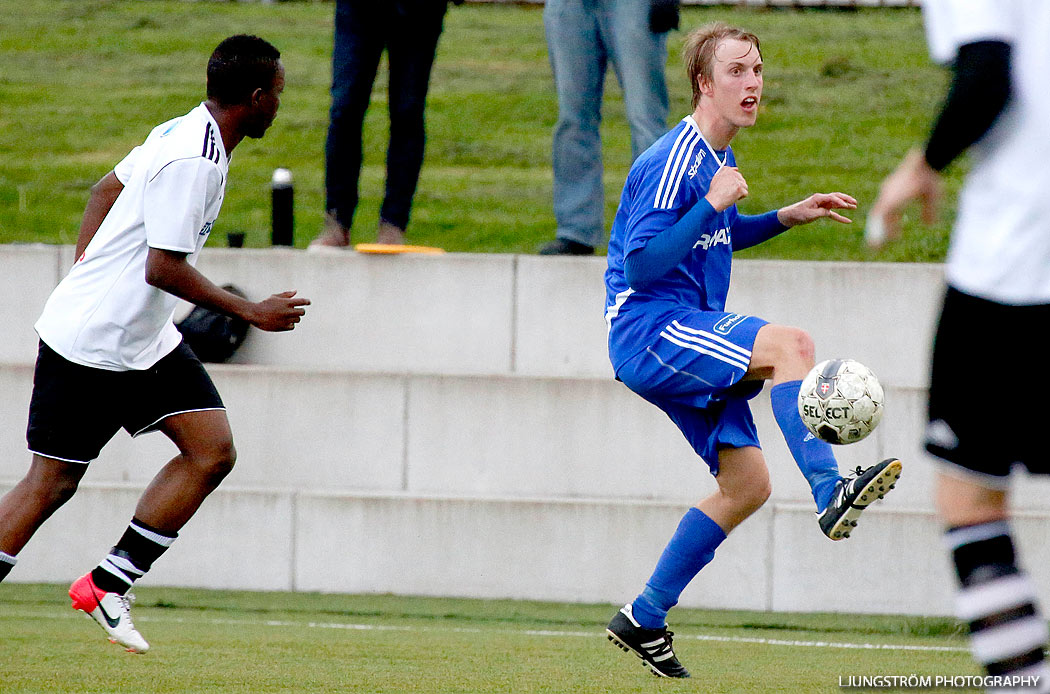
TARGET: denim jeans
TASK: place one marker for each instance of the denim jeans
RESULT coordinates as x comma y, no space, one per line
583,37
409,31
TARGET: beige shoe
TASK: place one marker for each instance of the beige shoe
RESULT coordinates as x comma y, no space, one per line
390,234
333,236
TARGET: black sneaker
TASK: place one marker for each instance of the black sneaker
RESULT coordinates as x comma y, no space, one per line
653,646
565,247
853,494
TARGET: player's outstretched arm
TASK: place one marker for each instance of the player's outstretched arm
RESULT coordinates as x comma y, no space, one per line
817,206
169,271
978,94
913,179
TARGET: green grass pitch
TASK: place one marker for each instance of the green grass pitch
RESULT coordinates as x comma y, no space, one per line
846,94
232,642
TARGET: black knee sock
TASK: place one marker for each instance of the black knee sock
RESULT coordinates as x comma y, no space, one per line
998,602
131,557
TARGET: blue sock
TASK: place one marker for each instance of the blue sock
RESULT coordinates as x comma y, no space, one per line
690,549
813,456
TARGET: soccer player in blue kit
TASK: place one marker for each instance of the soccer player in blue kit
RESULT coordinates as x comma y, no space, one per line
671,341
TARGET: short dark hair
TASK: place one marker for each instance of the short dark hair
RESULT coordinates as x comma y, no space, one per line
240,65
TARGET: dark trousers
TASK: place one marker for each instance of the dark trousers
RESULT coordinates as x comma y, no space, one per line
409,31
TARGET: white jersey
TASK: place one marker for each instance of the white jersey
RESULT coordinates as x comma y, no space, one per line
103,314
1000,248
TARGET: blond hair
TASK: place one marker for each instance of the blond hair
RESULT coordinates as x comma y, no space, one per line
699,51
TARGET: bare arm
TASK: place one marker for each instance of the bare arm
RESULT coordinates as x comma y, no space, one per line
169,271
977,96
103,195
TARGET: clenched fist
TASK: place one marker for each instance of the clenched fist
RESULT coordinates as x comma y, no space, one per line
727,186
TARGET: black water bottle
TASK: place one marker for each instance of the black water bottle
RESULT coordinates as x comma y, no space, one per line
282,213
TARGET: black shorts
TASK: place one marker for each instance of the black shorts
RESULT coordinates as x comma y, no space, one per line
984,413
75,410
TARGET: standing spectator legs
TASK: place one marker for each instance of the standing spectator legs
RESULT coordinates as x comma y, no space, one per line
578,59
411,52
359,37
638,57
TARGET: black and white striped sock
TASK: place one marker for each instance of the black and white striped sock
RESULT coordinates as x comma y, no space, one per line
131,557
7,562
998,603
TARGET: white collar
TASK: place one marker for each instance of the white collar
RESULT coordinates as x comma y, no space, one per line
693,124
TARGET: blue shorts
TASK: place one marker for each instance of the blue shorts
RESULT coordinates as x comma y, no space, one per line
694,373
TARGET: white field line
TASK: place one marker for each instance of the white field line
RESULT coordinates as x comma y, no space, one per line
348,626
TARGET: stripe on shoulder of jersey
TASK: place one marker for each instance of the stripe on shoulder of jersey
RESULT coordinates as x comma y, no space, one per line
667,165
681,172
210,151
677,163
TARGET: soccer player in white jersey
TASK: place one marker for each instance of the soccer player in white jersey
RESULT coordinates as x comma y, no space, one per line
110,356
672,342
997,303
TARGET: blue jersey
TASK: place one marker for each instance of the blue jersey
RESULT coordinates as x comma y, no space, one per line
664,183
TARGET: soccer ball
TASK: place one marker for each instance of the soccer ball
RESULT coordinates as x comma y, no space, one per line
840,401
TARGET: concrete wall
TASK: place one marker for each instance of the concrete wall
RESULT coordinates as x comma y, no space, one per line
471,314
448,426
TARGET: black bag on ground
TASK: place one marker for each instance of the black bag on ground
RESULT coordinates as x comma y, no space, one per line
213,337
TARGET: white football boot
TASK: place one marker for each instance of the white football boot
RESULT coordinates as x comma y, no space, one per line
112,611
